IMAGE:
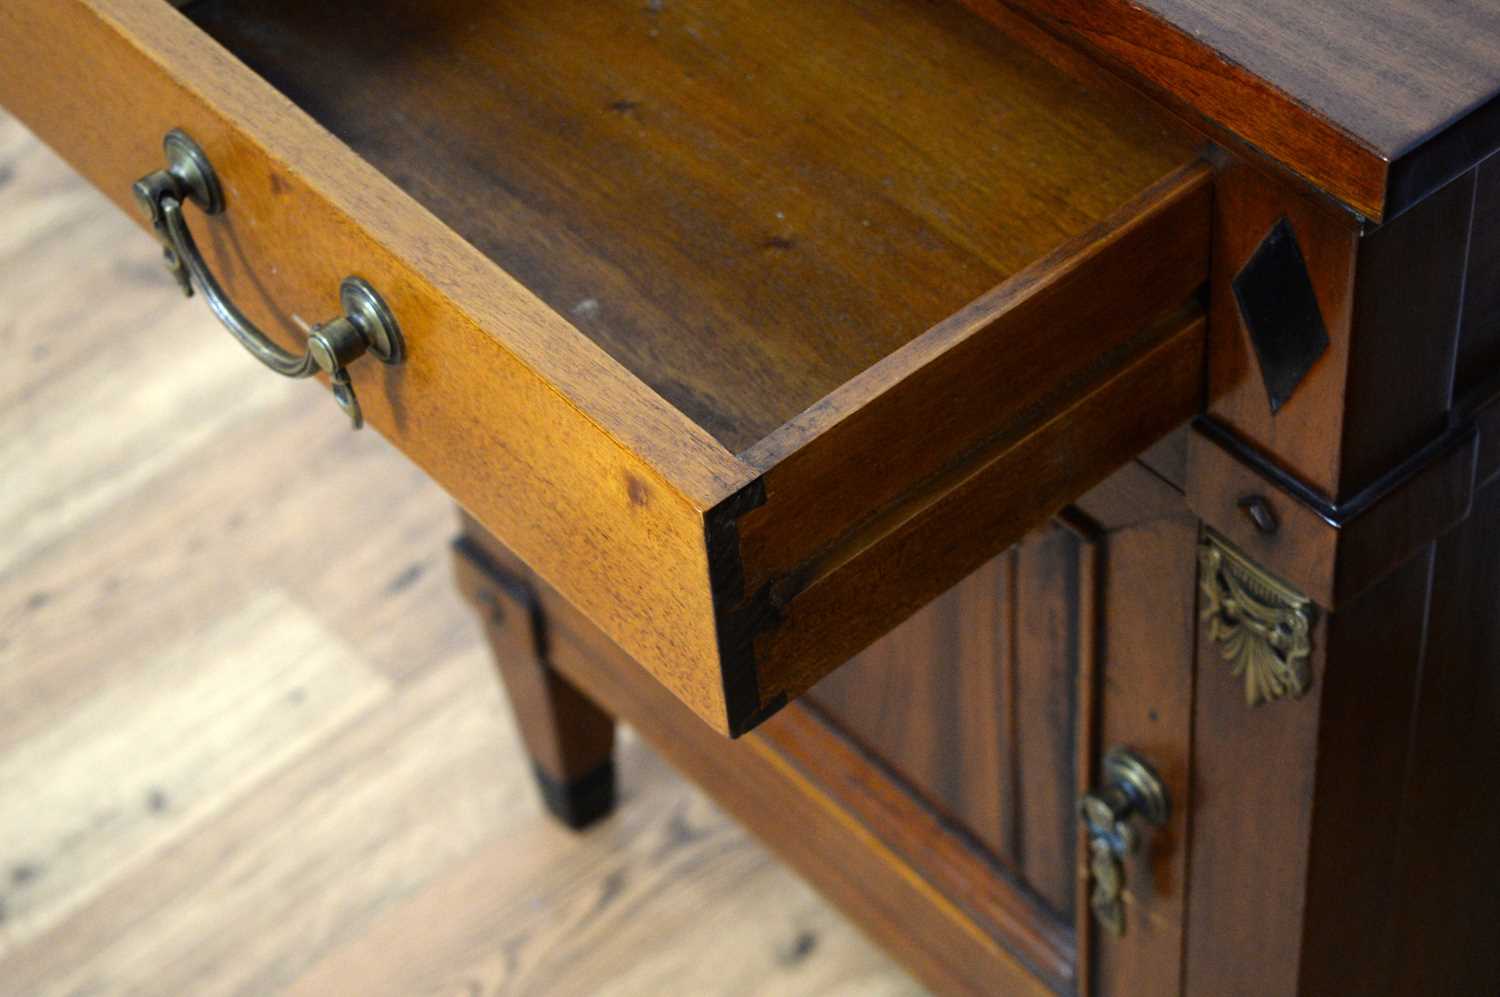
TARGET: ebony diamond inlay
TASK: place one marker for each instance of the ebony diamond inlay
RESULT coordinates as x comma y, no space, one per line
1280,310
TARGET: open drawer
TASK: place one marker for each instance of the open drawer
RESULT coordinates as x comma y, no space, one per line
751,327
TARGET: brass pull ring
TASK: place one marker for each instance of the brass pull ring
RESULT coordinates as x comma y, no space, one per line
367,325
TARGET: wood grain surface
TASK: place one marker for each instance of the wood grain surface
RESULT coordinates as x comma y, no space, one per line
250,740
744,219
973,702
1304,433
1378,102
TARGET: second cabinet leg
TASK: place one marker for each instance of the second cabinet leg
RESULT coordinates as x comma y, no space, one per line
569,738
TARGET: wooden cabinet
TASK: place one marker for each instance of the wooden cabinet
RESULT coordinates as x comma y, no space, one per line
933,397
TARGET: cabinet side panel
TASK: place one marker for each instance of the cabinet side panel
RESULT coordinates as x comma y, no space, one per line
1296,804
1253,783
1448,921
1374,662
1408,292
1479,340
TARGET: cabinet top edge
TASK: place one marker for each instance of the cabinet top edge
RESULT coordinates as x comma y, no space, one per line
1375,102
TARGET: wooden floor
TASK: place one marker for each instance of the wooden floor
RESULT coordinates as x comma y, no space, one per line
249,740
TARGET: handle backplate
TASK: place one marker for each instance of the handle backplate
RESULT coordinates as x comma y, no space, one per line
366,324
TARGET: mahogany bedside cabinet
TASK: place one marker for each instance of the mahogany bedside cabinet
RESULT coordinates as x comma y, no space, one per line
1033,463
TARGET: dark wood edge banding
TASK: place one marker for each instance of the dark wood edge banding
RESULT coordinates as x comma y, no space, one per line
1339,514
1333,553
1433,164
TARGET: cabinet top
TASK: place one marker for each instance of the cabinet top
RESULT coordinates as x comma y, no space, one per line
1377,102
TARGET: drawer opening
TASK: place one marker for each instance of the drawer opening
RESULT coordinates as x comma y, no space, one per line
744,204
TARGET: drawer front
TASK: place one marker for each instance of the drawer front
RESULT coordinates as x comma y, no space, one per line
736,580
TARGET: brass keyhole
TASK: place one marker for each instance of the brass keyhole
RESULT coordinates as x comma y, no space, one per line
1131,789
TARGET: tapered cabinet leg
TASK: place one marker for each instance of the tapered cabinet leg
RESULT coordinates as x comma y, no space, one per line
569,738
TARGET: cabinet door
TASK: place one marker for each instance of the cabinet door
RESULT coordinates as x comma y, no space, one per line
993,705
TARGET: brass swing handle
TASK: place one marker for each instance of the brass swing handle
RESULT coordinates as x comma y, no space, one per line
1131,788
366,325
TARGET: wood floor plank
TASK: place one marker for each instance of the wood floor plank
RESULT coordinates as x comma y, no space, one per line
250,741
242,903
88,426
593,919
233,517
141,761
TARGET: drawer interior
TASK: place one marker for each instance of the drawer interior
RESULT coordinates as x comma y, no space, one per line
745,204
751,327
